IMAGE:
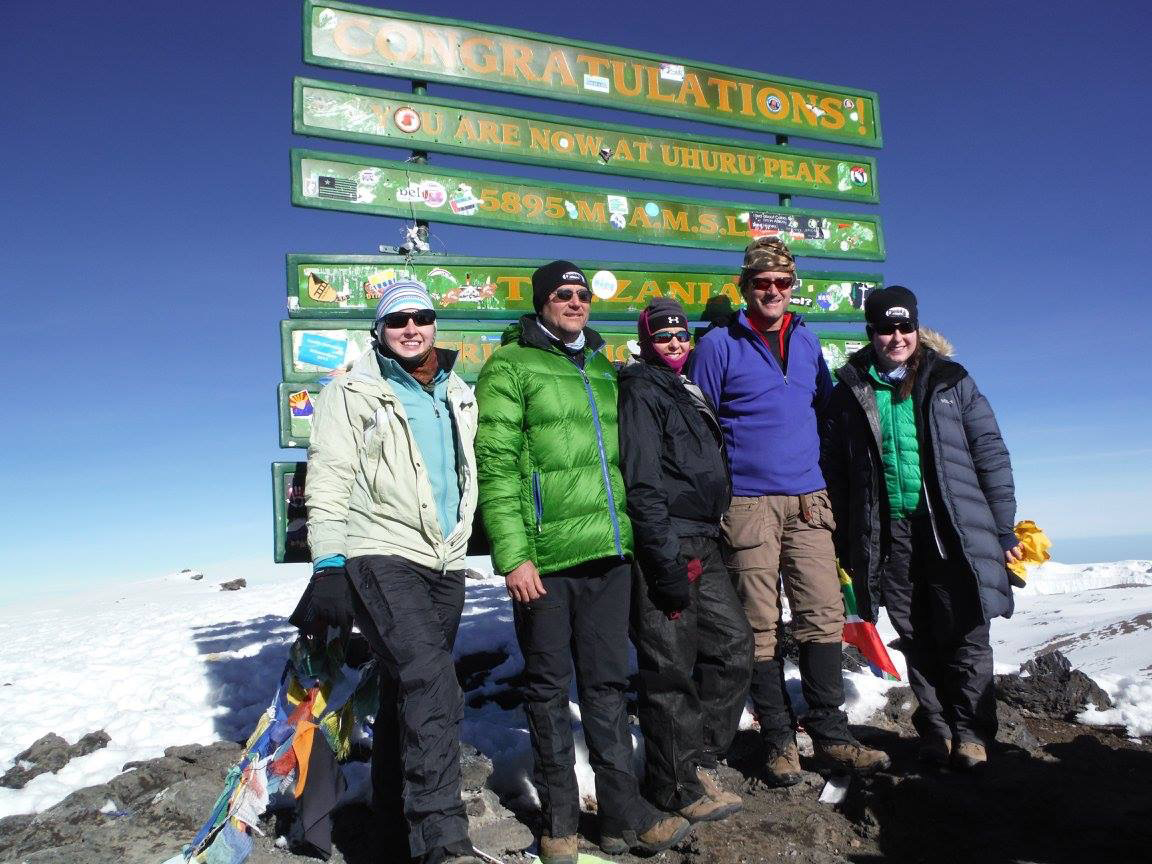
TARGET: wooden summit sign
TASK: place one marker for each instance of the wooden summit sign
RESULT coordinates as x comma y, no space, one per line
348,113
383,187
422,47
349,286
315,350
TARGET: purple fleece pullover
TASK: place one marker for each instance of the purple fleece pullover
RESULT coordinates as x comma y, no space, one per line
769,418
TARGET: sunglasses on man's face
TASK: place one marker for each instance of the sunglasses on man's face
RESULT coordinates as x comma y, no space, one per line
664,337
563,295
780,283
399,320
905,327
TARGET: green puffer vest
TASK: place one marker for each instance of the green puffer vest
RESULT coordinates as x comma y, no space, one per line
901,449
548,454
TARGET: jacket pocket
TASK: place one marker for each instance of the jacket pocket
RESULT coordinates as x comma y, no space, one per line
537,500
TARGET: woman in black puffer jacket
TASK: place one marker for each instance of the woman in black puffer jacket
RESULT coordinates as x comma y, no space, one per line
936,555
693,641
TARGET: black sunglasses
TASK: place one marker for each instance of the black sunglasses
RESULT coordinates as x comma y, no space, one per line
565,294
664,337
399,320
905,327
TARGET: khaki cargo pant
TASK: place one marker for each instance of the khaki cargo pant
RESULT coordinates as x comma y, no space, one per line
785,537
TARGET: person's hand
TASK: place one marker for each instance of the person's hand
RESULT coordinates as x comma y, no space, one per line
670,589
524,583
1016,553
326,602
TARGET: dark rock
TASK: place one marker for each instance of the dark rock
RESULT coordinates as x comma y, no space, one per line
196,577
475,767
1049,687
789,648
853,660
49,754
90,743
1012,729
234,585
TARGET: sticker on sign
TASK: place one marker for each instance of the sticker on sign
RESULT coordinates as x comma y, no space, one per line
597,84
407,119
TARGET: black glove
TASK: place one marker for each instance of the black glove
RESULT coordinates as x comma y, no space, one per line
669,588
326,602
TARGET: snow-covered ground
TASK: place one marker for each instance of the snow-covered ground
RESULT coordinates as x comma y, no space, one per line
177,661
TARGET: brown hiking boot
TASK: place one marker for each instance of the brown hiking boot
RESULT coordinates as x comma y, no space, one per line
935,750
708,809
969,756
850,756
711,783
782,767
664,834
558,850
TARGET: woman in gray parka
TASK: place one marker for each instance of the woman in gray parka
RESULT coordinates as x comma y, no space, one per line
922,492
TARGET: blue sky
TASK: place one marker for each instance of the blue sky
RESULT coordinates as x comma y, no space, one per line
146,216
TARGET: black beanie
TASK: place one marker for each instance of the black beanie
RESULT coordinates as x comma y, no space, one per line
891,305
661,312
548,278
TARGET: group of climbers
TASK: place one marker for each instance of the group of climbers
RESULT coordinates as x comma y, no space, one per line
667,503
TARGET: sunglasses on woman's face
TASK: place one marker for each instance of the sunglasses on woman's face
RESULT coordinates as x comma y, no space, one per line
905,327
664,337
399,320
563,295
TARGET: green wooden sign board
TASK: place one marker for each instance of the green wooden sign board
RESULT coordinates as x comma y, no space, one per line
383,187
348,113
295,404
348,286
345,36
314,350
289,516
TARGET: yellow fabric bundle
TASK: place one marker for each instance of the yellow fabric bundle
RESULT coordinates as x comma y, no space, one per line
1035,545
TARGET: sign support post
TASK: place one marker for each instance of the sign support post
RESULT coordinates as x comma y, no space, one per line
785,200
420,157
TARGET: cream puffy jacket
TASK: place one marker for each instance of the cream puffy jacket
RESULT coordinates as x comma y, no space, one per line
367,490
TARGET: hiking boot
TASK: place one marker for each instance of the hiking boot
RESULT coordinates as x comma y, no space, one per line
558,850
969,756
782,767
935,750
850,756
708,809
664,834
710,780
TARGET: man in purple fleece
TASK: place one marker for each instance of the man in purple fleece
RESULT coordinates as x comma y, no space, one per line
766,375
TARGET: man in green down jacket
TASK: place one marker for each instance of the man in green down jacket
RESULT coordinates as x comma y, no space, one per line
552,500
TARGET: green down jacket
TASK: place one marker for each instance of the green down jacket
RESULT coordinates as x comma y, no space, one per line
901,448
548,455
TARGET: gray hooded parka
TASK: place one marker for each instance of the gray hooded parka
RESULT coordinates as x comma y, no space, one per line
965,465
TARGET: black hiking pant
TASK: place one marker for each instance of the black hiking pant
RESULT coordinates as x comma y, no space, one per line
582,621
410,615
694,674
934,606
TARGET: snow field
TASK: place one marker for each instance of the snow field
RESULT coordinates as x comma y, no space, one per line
174,661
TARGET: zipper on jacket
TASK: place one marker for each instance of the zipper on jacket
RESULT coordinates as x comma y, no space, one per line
603,463
537,500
